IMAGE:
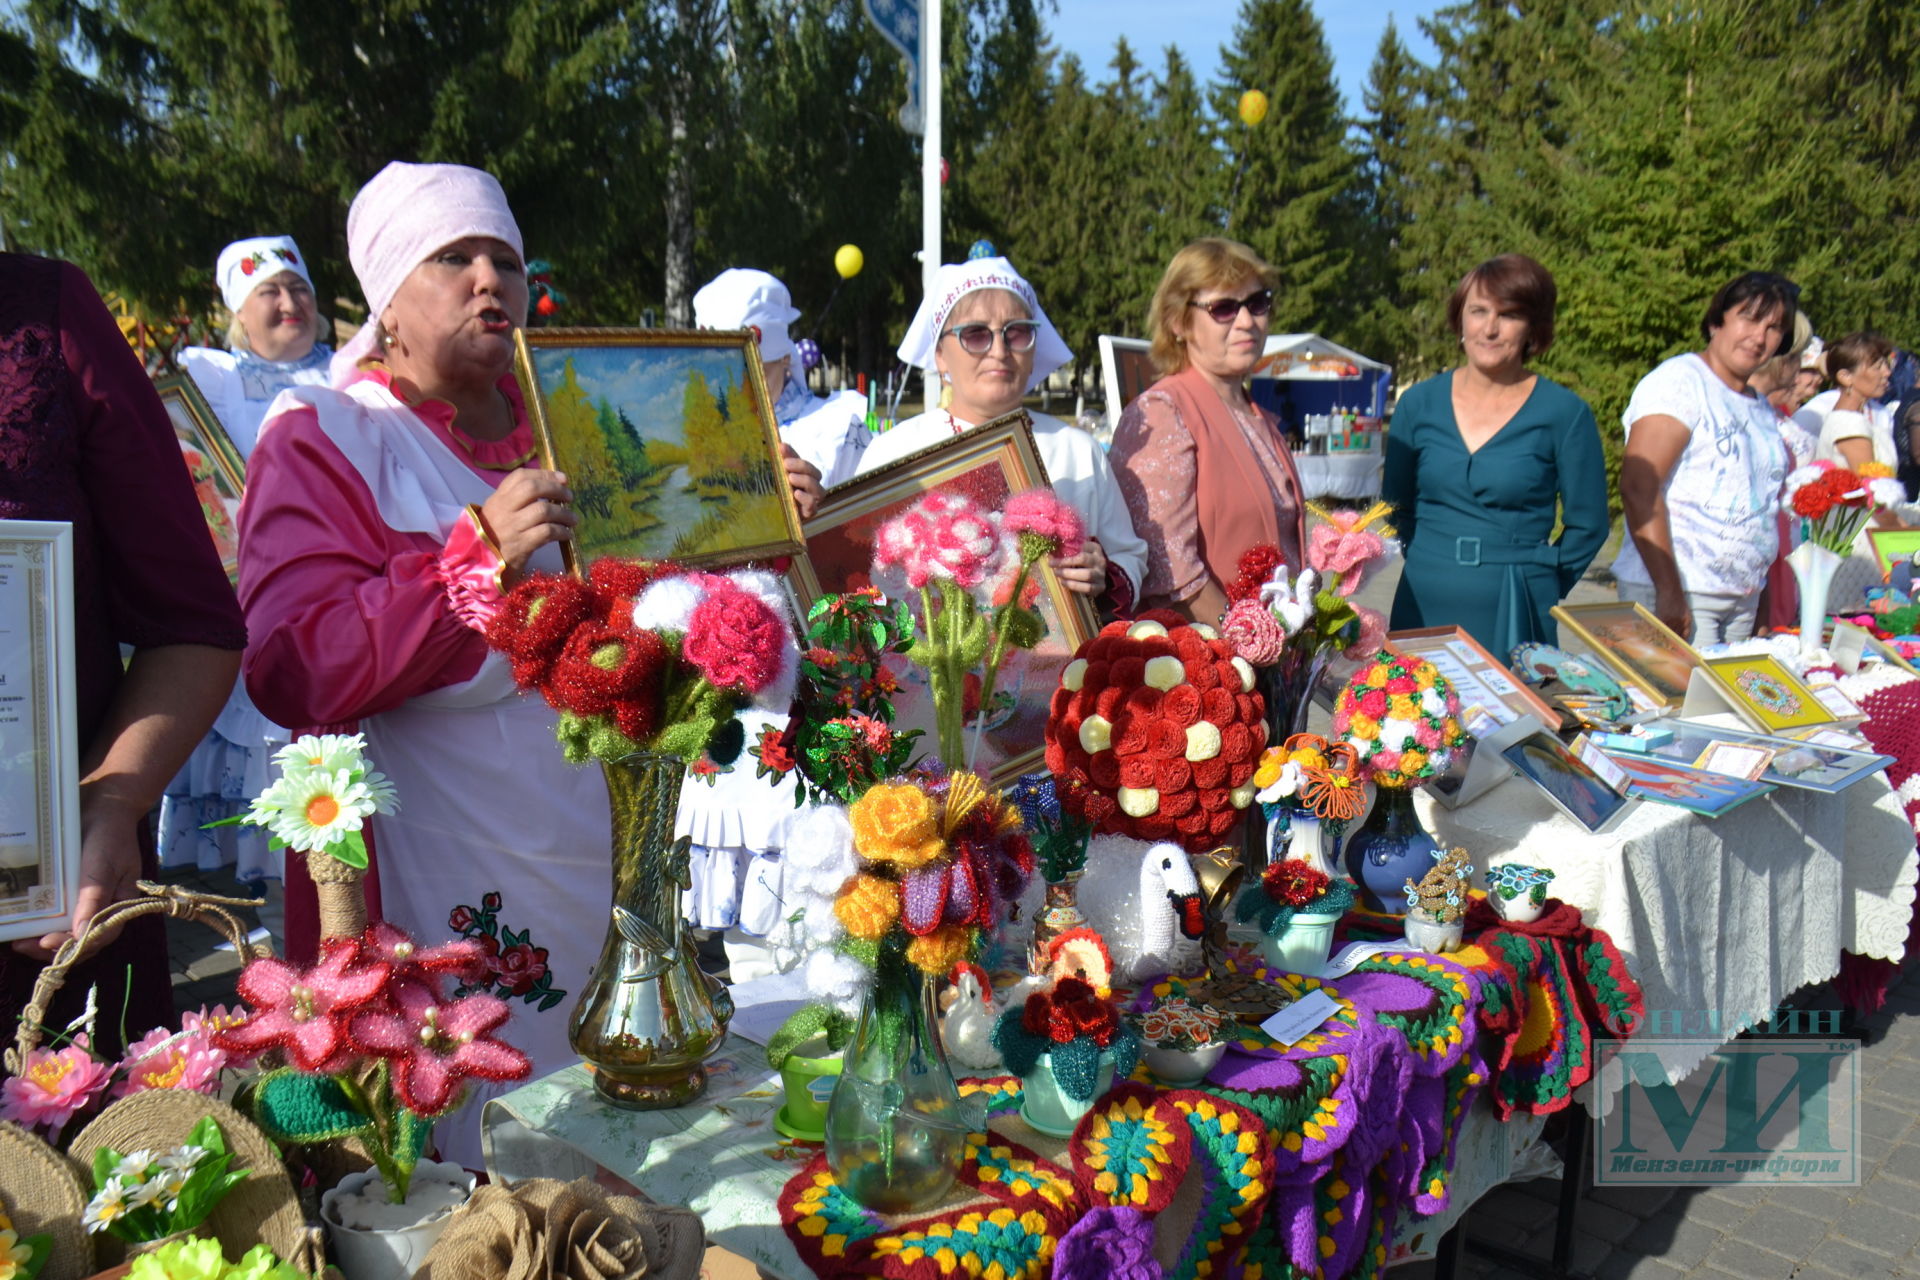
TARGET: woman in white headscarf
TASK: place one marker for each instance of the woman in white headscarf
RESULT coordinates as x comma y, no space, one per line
383,518
273,340
982,330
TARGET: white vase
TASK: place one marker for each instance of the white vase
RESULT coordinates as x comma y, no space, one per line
1432,937
1523,908
1308,842
1045,1106
1813,569
393,1253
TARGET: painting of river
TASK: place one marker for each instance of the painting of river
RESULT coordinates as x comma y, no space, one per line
663,441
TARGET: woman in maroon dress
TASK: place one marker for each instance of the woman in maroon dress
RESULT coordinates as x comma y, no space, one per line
84,439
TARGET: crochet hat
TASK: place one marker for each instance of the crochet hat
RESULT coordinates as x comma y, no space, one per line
954,281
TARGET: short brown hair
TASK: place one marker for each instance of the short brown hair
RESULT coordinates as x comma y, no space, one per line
1856,351
1208,263
1516,282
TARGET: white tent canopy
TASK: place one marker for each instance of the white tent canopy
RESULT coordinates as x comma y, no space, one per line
1300,348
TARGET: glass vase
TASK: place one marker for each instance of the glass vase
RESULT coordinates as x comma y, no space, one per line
1390,848
1813,569
896,1131
648,1017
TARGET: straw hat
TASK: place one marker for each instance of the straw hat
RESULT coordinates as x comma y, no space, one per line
42,1192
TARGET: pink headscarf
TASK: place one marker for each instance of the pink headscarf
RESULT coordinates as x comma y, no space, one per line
397,221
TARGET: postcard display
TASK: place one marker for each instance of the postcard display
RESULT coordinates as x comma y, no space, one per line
39,752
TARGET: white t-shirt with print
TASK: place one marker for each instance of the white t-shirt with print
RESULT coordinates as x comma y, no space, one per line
1724,491
1832,425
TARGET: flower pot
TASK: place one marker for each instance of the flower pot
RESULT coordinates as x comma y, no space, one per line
1522,907
1046,1107
808,1077
1390,848
1436,939
1179,1068
374,1250
1303,946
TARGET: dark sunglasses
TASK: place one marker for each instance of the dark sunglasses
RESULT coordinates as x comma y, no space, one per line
977,339
1227,310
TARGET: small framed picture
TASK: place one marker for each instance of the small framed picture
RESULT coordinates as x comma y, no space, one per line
1635,644
1708,794
1735,759
989,464
667,443
1479,678
39,731
1128,365
1892,546
1822,760
218,471
1573,785
1765,693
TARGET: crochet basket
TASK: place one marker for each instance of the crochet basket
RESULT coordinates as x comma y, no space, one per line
48,1191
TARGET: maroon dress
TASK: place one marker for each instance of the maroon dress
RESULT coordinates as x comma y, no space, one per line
84,438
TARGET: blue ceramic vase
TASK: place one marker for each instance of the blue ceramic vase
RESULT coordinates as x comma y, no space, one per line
1390,848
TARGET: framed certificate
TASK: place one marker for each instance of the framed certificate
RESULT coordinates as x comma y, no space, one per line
1479,678
39,750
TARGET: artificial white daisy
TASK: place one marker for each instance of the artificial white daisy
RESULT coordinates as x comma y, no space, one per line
327,753
142,1194
321,809
108,1206
171,1183
182,1159
133,1166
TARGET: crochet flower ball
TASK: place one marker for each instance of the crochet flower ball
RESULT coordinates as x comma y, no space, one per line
735,640
1402,717
1155,732
944,535
1039,513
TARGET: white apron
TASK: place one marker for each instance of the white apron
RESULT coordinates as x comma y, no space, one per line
496,833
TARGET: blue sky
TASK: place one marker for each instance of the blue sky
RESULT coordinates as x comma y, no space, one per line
1088,28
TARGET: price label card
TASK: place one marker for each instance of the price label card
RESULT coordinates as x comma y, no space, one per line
1298,1020
1353,953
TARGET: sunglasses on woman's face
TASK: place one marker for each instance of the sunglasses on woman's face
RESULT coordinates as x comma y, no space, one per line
1227,310
977,339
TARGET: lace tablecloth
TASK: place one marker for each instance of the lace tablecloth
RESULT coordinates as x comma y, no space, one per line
1720,920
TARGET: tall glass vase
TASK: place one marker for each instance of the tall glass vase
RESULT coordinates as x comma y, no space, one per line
1390,848
896,1131
1813,569
648,1017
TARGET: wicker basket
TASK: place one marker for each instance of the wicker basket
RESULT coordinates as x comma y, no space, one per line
265,1209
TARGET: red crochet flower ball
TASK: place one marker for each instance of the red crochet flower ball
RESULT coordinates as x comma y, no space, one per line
735,640
1155,732
1292,882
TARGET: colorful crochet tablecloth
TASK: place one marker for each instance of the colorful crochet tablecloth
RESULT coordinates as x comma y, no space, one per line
1891,699
1306,1154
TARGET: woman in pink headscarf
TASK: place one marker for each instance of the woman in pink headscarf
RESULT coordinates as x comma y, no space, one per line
384,516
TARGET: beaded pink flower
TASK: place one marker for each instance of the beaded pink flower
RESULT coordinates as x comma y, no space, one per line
436,1044
305,1011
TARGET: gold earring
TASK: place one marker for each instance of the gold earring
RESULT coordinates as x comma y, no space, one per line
946,392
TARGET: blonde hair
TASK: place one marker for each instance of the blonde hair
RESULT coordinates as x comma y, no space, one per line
1783,368
1211,262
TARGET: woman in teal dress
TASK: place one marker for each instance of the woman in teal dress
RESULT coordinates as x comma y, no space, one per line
1484,461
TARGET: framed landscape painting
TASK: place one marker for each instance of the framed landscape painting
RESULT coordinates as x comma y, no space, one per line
666,441
989,464
219,473
1637,645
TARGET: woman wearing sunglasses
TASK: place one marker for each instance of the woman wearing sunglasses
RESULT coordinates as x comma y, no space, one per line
1205,471
981,330
1482,458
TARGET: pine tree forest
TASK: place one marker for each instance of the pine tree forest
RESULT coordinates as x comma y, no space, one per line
1645,152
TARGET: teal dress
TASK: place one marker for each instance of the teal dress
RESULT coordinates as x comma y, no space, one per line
1478,528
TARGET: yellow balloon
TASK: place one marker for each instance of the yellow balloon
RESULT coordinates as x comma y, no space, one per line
848,260
1253,107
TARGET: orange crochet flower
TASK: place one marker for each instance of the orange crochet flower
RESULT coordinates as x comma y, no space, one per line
1336,791
939,951
897,823
868,906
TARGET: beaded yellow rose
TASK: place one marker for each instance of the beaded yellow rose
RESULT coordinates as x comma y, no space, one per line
1403,719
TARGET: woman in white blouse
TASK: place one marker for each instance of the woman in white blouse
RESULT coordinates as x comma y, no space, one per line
1851,429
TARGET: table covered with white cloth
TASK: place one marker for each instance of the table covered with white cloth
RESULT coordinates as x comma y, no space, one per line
1352,476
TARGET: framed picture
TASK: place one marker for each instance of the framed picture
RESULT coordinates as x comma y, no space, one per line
1807,765
39,739
219,472
1637,645
989,464
667,443
1669,782
1892,546
1570,782
1127,364
1476,675
1765,693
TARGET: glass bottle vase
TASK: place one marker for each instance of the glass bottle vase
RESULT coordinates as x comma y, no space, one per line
896,1130
648,1017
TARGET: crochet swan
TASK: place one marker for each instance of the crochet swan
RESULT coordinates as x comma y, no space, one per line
1145,901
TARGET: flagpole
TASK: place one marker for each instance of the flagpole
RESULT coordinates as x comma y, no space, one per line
930,160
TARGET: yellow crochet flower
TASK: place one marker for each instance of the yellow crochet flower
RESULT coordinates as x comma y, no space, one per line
868,906
896,823
1412,762
1873,471
1310,758
1400,707
1272,761
1377,678
942,949
1423,675
1362,727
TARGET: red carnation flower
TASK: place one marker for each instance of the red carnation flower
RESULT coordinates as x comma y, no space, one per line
735,640
1293,883
603,664
534,621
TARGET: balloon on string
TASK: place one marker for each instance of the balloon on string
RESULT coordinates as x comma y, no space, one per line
848,261
809,352
981,249
1253,107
